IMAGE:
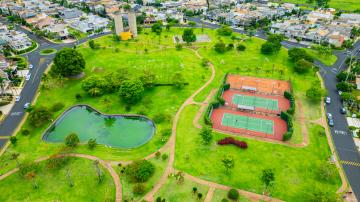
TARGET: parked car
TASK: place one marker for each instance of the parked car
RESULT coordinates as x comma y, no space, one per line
329,116
30,66
331,122
26,105
28,76
17,98
343,110
328,100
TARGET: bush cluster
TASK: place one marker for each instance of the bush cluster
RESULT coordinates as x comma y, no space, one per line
231,140
140,171
291,98
290,129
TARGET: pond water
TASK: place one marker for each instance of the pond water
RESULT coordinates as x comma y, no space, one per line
112,130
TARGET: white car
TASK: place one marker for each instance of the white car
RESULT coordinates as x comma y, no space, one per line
328,100
329,116
28,76
30,66
26,105
17,98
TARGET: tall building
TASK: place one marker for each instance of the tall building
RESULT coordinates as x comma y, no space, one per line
119,27
132,24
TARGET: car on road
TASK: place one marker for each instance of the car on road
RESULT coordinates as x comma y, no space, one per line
343,110
17,98
339,92
328,100
329,116
30,66
26,105
331,122
28,76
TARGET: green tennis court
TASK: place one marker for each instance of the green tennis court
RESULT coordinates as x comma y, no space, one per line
255,102
249,123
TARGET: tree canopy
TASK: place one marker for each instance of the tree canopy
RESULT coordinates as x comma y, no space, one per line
131,90
68,62
189,36
39,116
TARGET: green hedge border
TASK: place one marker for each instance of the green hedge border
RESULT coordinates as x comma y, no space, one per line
290,127
291,98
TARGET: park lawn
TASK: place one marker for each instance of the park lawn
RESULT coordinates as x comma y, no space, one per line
127,185
296,169
175,192
328,60
347,5
159,100
54,185
220,194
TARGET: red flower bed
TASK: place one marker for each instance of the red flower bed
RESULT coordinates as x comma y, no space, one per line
230,140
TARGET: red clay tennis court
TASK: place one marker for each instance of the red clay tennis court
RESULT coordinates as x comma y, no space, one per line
259,85
278,125
282,104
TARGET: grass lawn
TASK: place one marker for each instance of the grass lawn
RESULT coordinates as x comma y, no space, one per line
175,192
220,194
76,33
296,169
327,60
347,5
48,51
54,185
163,61
127,185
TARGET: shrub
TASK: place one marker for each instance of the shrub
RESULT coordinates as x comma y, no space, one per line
27,167
224,31
13,140
140,171
302,66
230,46
78,97
25,132
224,200
178,46
206,135
326,171
139,189
57,106
164,157
231,140
240,47
233,194
220,47
39,116
92,143
72,140
56,162
157,155
288,118
162,117
291,99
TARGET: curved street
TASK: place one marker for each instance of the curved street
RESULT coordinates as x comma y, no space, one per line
343,141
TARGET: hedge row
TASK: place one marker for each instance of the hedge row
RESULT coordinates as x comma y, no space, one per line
290,129
291,98
230,140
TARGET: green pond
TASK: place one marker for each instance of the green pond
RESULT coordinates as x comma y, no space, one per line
111,130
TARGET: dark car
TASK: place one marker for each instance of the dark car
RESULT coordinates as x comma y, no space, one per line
331,122
343,110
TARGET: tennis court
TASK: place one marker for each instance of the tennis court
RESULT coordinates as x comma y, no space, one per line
255,101
248,123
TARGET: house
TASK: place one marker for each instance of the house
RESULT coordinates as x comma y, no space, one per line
40,20
60,30
70,13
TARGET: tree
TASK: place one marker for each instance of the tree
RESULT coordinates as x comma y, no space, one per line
199,195
326,171
303,66
92,143
220,47
72,140
233,194
206,135
224,31
273,44
344,75
267,48
322,3
267,178
139,189
68,62
344,86
194,189
178,80
157,28
140,170
346,97
296,54
39,116
94,85
148,78
189,36
314,93
93,45
228,162
131,90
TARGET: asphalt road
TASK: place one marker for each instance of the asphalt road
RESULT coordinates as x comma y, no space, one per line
343,141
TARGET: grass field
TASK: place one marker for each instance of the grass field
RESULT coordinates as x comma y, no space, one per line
327,60
175,192
54,185
347,5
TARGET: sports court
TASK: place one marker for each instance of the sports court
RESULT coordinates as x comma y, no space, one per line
263,103
249,123
255,102
259,85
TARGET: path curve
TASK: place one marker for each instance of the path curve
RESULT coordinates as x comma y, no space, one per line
105,164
